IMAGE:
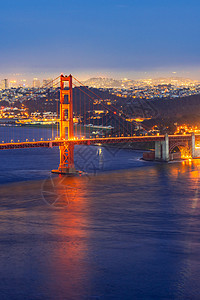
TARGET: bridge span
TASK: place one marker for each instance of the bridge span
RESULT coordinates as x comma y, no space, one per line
164,144
174,140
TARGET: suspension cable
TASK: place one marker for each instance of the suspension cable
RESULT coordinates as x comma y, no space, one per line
106,107
97,95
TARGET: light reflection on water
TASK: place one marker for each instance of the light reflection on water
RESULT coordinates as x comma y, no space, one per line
124,234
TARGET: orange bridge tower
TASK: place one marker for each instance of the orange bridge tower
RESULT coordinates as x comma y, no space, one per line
66,121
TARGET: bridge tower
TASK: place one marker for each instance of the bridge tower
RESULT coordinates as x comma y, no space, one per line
66,121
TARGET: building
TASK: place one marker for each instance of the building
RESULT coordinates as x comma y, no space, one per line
4,84
36,83
13,84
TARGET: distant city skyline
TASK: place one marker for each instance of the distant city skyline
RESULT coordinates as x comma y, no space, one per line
29,77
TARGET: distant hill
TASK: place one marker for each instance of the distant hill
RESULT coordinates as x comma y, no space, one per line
99,82
176,108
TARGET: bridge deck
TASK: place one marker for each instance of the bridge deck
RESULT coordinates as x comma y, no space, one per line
92,141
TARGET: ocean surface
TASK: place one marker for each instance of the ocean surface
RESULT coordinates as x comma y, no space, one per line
126,229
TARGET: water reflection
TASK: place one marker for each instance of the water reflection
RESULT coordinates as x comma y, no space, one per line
69,260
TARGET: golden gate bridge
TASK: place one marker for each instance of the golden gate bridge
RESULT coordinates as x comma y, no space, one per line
68,135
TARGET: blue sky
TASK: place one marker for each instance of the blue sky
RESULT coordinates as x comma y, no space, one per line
110,37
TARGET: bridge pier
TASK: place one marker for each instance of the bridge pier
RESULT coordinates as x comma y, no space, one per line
158,150
66,165
193,145
162,149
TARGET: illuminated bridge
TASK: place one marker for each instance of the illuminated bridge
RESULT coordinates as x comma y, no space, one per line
164,144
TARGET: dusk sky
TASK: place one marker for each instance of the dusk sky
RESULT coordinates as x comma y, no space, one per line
101,37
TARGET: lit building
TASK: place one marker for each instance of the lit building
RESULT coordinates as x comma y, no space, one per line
13,83
36,83
4,84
